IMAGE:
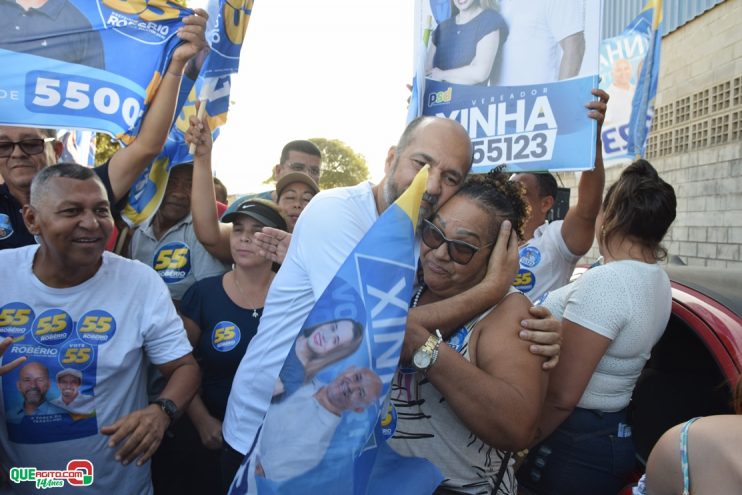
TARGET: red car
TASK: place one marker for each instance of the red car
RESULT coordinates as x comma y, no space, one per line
696,363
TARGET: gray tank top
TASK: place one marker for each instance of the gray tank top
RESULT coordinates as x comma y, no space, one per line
427,427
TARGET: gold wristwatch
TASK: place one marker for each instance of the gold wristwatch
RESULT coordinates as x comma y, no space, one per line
426,355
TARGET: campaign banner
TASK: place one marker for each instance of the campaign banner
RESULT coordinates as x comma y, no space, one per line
515,75
629,71
206,79
92,64
323,431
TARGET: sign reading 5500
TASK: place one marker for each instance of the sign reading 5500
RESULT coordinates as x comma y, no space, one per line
81,96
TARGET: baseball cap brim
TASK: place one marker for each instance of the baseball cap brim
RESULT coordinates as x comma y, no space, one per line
260,212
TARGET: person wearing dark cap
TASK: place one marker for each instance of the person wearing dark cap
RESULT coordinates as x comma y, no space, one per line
221,315
294,191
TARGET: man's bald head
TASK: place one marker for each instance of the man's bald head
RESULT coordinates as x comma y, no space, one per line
455,129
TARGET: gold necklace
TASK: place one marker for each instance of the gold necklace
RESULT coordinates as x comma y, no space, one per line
255,313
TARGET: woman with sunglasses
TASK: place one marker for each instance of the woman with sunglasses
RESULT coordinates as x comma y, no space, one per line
478,395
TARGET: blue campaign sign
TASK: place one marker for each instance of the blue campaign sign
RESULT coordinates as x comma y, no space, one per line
517,78
82,63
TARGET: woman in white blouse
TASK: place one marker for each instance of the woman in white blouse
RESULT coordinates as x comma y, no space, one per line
611,318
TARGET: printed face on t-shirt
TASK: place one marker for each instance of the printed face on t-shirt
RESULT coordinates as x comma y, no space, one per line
33,384
69,387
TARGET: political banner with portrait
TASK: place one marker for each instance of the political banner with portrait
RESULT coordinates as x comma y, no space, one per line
516,74
84,64
207,79
629,71
323,431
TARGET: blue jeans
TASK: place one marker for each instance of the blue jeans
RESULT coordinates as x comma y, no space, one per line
591,453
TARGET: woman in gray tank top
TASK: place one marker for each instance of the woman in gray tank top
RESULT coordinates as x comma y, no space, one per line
479,395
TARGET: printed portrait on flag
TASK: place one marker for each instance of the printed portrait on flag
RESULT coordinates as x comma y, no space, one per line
84,64
516,74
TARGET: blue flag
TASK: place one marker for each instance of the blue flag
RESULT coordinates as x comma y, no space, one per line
92,64
323,432
629,66
225,33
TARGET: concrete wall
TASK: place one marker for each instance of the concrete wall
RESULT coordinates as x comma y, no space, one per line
696,139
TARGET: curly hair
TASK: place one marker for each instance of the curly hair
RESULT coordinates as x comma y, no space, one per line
503,198
640,205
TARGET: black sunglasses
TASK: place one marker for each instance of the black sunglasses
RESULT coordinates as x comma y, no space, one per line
32,146
461,252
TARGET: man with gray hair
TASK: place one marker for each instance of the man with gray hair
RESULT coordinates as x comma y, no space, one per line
70,314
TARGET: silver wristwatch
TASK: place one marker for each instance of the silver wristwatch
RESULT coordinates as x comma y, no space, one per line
426,355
